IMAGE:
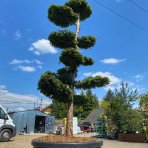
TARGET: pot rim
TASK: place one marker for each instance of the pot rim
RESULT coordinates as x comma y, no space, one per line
34,142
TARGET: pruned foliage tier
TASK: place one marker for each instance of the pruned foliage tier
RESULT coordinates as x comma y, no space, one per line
92,82
80,7
87,61
62,15
62,39
86,42
71,57
64,75
52,87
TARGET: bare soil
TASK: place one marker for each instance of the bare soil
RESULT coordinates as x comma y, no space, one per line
62,139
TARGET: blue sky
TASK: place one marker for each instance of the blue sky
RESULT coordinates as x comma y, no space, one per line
120,52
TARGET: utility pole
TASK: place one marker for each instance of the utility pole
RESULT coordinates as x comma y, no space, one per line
41,104
7,109
34,106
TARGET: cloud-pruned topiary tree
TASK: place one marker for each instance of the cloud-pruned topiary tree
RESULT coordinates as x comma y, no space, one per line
61,85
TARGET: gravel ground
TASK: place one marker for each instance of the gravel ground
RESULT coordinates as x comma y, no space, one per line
24,141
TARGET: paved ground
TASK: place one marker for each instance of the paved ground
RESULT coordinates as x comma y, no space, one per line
24,141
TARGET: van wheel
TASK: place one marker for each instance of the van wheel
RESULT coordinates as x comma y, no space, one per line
5,135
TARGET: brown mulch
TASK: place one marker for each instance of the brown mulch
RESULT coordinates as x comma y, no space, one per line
61,139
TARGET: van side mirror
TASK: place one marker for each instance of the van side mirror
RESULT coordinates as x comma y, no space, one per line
5,117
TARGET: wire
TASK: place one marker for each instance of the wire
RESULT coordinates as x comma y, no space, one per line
21,103
138,6
16,103
124,18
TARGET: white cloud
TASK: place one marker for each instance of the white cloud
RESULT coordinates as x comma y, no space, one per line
38,62
113,79
111,87
17,35
140,88
130,83
87,74
118,86
139,77
20,109
15,62
27,68
112,61
42,46
7,97
26,65
20,102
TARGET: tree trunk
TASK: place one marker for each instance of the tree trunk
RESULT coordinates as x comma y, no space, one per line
69,125
77,30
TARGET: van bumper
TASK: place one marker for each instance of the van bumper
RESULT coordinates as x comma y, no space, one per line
14,132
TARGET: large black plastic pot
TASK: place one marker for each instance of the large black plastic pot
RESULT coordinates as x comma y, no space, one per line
39,144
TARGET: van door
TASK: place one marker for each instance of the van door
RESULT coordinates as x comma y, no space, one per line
2,117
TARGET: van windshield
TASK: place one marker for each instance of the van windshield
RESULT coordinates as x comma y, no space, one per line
2,113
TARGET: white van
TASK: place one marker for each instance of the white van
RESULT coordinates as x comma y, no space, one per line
7,128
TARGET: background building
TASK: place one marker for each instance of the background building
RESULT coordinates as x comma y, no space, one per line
33,121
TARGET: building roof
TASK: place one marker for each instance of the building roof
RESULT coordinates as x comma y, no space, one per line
46,108
94,115
29,111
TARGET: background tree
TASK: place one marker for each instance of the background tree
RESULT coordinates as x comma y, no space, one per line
119,109
58,109
90,104
143,104
60,86
105,102
83,105
109,95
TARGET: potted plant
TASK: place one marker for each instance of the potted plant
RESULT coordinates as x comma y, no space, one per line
61,85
